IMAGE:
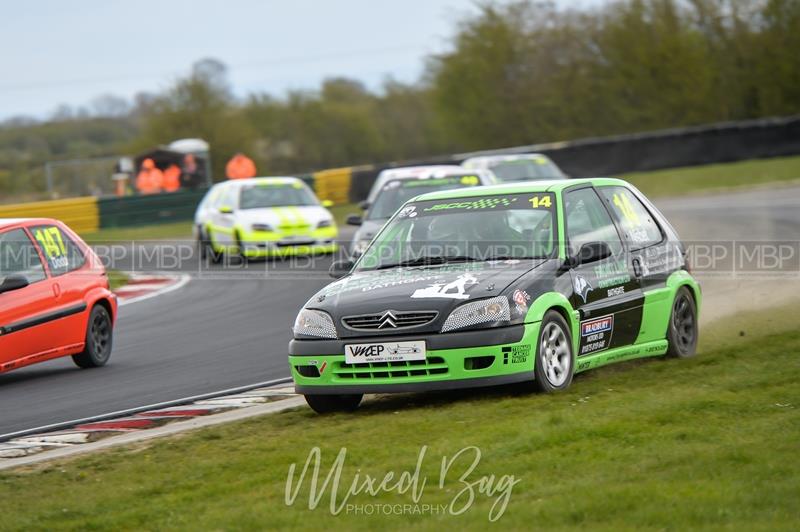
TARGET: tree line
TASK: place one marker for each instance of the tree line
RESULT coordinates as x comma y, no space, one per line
518,72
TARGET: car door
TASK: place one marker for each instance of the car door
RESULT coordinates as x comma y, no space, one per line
26,327
653,256
71,278
605,291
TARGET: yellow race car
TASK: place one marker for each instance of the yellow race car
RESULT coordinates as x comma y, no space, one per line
264,216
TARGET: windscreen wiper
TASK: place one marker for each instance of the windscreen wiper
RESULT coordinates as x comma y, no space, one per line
508,257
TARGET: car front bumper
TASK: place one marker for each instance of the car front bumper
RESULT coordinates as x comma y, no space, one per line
466,359
273,243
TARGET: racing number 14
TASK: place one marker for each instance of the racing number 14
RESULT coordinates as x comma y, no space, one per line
626,208
543,201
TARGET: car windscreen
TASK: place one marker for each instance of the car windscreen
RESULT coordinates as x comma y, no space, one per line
479,228
528,169
275,195
395,193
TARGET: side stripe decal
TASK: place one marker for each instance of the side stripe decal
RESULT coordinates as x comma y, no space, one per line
42,318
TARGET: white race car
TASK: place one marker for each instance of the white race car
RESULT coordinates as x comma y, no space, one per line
398,185
264,216
411,172
517,167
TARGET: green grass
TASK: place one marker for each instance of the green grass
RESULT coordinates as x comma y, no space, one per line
341,212
117,279
709,442
713,177
168,231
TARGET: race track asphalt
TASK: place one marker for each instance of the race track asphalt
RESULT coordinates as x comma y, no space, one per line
230,328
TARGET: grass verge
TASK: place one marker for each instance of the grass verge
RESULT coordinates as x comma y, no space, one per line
715,177
168,231
117,279
341,212
709,442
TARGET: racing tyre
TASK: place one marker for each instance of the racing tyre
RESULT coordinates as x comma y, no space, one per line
554,364
326,404
206,249
682,333
239,247
99,339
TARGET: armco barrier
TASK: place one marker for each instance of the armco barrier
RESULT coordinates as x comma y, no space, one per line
606,156
81,214
144,210
669,148
333,184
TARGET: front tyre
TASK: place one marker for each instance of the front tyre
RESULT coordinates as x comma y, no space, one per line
206,248
99,339
554,364
683,330
327,404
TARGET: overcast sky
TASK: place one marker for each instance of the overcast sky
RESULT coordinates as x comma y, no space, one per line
69,52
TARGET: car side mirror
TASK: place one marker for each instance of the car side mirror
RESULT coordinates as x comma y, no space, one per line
225,209
591,252
354,219
363,205
327,203
13,282
340,268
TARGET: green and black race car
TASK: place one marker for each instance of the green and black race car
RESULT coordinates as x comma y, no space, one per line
499,284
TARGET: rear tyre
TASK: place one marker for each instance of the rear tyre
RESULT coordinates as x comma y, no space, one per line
99,340
327,404
683,332
554,364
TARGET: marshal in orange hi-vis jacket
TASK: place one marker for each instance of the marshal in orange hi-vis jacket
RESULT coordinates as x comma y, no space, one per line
240,167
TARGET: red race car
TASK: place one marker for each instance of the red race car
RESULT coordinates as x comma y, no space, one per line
54,296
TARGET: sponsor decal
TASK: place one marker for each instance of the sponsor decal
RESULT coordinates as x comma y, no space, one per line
582,287
604,324
618,291
516,354
661,260
483,203
638,235
612,274
521,298
456,289
390,352
408,212
596,334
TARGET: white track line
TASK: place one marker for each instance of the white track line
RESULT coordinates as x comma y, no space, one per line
182,281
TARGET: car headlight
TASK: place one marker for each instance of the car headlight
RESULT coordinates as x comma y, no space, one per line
360,247
261,227
478,312
314,323
324,223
